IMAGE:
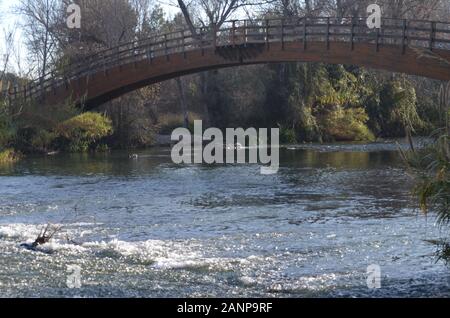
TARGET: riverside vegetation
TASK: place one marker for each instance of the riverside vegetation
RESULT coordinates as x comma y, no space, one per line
319,103
430,168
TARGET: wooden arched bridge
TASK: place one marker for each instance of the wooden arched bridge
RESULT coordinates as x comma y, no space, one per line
407,46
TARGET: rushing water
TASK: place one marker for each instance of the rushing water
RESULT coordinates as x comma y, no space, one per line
149,228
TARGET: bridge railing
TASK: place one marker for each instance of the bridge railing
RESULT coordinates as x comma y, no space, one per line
416,33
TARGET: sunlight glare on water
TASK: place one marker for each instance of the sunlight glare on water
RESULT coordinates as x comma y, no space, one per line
149,228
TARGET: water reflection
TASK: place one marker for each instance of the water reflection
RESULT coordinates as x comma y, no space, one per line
119,162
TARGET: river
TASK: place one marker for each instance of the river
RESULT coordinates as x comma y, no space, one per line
149,228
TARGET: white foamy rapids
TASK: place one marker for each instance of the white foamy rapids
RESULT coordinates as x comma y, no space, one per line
163,254
158,254
29,232
312,283
23,232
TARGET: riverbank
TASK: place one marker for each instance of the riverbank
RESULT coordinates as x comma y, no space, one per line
164,141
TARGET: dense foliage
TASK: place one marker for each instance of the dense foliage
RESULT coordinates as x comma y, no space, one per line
80,133
42,129
312,102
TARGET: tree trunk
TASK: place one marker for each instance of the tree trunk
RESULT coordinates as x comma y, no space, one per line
183,102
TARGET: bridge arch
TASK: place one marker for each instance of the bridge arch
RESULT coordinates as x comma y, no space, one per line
406,46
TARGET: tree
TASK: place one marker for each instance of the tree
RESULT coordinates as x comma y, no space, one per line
41,18
211,14
6,53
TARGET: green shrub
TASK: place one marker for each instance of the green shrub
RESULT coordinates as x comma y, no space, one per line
6,129
287,135
34,140
346,125
82,132
398,109
337,108
43,140
9,156
308,130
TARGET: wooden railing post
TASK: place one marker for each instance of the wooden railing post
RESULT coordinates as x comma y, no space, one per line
233,33
353,34
432,35
268,34
150,53
183,43
378,40
328,33
282,34
166,47
304,32
245,32
404,36
201,42
215,31
135,55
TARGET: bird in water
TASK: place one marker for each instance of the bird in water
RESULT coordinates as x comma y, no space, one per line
134,156
237,146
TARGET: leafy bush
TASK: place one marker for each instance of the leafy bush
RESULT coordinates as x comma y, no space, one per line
308,128
80,133
43,140
35,140
9,156
287,135
6,127
398,109
337,108
346,125
6,131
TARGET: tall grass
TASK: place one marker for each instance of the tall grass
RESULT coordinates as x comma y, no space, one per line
430,168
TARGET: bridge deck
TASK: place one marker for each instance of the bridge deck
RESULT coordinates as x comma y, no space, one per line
407,46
